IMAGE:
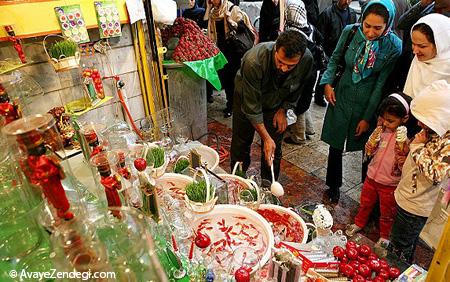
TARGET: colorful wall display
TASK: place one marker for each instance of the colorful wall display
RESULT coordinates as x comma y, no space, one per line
72,23
108,19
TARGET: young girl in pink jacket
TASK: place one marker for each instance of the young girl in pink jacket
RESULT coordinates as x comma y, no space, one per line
387,148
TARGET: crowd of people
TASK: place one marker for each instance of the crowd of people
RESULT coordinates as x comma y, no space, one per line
385,80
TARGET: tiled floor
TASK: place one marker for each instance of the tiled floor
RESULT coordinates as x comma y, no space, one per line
303,171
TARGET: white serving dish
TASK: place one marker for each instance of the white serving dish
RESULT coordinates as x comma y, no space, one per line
252,216
294,215
170,180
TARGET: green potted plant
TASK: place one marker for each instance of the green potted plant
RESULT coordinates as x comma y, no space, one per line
181,164
200,195
63,53
157,160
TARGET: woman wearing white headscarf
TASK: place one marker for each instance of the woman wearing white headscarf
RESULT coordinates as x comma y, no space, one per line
223,15
431,47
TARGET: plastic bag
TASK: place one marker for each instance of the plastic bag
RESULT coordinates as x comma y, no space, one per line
164,11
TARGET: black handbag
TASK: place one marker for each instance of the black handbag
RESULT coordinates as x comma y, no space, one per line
239,39
340,68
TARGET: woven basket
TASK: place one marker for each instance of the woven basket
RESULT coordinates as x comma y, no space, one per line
62,64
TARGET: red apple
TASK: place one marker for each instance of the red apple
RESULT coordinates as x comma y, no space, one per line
374,265
348,271
242,275
364,270
378,279
358,278
342,266
384,273
344,259
140,164
354,264
384,264
352,253
372,256
394,272
365,250
338,252
362,259
202,240
350,244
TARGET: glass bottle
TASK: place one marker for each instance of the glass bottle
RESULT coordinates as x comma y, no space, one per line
116,194
37,149
90,139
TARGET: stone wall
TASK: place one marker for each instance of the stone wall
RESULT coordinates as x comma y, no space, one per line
58,87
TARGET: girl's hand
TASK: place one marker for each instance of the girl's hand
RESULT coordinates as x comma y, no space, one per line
421,137
362,127
330,96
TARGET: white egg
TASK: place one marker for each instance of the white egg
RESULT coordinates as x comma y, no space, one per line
276,189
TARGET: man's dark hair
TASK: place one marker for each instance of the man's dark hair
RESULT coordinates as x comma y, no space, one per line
377,9
293,42
425,30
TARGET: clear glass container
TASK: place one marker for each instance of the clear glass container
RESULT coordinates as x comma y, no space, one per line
130,247
107,164
21,236
20,88
75,248
73,95
37,149
20,232
91,138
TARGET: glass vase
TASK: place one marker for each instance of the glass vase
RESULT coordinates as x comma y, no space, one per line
37,148
21,236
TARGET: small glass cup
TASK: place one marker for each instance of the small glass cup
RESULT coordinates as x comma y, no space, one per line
182,135
244,257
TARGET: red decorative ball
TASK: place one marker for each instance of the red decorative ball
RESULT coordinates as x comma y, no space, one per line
140,164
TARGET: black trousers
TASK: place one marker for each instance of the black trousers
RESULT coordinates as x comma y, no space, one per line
242,139
405,234
334,169
226,76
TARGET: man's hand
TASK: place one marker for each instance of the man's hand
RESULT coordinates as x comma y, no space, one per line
279,121
269,150
362,127
330,95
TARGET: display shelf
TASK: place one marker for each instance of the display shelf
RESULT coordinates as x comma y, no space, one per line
102,102
5,68
31,18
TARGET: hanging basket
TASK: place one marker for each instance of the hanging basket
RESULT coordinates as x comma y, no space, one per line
62,63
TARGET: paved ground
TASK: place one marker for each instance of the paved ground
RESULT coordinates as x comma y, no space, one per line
312,156
303,171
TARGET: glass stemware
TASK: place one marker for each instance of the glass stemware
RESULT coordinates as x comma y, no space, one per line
182,135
